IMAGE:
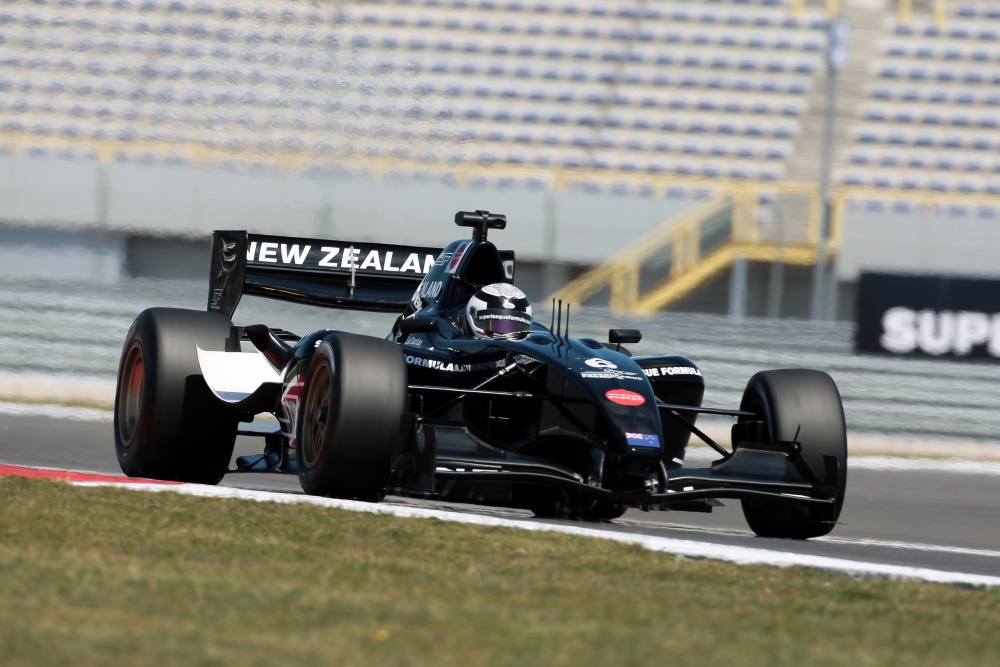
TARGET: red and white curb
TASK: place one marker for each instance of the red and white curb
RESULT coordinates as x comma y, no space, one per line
684,548
80,478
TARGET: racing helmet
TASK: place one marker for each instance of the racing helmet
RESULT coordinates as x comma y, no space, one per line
499,310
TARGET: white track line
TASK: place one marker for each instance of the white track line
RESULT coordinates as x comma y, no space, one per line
910,546
860,541
685,548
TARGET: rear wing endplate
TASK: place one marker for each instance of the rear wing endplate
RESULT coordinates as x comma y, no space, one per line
337,274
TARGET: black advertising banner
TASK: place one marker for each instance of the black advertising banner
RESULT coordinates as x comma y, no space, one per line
933,316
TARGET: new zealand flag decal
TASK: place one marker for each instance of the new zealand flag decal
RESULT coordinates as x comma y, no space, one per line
643,440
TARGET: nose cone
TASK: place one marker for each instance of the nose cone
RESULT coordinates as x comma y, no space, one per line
621,393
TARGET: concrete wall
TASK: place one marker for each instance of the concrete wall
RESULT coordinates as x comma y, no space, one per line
164,200
96,221
922,242
33,252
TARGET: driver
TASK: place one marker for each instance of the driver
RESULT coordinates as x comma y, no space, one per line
499,310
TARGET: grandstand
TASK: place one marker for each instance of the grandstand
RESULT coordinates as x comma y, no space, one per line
718,90
673,101
713,90
930,107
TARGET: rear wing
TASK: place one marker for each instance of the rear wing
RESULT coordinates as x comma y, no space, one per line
337,274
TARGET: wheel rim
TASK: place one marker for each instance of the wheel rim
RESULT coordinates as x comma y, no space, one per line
317,410
130,401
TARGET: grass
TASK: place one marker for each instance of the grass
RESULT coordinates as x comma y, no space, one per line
105,576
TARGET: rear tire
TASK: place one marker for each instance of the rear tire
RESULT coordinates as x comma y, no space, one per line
168,424
805,402
349,422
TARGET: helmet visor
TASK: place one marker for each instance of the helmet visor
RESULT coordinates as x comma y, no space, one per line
502,321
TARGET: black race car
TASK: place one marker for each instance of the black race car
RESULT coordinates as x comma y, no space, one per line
561,426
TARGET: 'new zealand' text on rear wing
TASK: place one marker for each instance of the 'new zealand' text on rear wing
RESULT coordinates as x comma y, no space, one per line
337,274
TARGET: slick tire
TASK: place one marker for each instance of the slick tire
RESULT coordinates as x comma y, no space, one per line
168,424
805,402
349,420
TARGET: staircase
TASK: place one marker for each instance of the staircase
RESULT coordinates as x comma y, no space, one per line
866,25
671,261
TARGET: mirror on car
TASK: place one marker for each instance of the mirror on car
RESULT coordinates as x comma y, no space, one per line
621,336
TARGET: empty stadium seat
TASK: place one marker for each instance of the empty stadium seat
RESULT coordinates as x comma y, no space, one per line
196,68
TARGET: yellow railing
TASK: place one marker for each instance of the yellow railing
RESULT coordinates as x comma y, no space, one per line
939,10
690,265
621,272
832,7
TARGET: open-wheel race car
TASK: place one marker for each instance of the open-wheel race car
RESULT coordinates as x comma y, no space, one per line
469,398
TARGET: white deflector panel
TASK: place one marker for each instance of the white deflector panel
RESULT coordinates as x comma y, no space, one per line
233,376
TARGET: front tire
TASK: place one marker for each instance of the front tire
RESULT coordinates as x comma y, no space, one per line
604,512
349,422
168,424
806,404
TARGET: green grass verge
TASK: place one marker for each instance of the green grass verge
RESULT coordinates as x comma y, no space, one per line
116,577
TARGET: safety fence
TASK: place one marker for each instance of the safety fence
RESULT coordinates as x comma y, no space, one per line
76,330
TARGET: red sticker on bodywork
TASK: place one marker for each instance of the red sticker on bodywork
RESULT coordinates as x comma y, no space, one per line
456,259
625,397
